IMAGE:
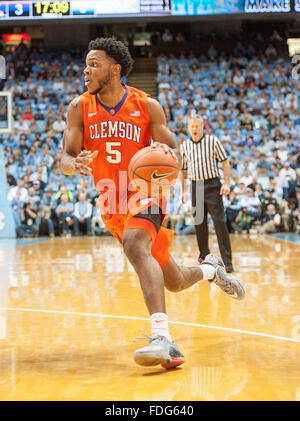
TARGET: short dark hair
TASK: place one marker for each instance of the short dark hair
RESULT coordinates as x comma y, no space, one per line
116,50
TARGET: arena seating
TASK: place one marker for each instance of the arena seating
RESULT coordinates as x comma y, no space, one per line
247,96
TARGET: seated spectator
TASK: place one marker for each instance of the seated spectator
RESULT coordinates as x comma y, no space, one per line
262,162
167,36
289,175
31,158
48,202
212,52
179,124
242,221
269,199
11,181
34,196
291,216
277,190
271,51
83,214
65,214
46,225
282,153
263,178
246,179
22,126
84,184
49,124
56,177
232,206
238,78
240,189
28,115
29,220
164,84
270,221
59,125
63,190
45,157
179,37
252,203
12,192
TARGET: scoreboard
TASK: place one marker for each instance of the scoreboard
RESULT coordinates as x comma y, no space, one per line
82,8
17,10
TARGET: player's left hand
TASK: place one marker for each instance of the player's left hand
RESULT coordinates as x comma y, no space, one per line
225,189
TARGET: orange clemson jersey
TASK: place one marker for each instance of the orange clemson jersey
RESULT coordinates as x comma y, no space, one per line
116,133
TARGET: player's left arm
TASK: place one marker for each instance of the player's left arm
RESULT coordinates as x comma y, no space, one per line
160,132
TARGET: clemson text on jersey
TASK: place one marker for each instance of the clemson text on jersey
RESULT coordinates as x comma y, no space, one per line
107,129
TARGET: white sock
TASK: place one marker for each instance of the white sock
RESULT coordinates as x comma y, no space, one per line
208,271
159,325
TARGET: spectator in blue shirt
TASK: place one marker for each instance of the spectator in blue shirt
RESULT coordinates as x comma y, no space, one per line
65,214
83,214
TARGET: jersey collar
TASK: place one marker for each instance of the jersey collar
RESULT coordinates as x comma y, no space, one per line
199,141
113,110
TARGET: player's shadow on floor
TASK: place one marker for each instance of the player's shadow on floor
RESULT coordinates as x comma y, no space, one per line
162,371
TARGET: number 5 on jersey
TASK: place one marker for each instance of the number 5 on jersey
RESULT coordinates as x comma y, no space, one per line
114,155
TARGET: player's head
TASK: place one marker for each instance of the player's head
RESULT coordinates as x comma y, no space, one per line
107,59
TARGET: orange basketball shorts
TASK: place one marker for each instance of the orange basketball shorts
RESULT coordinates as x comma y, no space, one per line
117,223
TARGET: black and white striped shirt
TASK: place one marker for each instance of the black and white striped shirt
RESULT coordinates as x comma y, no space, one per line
201,158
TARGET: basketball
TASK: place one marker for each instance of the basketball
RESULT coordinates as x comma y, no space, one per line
153,170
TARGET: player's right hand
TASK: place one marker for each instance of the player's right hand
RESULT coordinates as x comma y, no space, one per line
82,162
183,198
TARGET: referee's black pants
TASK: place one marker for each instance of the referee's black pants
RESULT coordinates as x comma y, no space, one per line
213,204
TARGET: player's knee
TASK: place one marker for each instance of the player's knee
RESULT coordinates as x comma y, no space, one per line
135,246
172,287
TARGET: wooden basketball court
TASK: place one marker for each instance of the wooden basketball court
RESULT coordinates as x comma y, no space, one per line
71,307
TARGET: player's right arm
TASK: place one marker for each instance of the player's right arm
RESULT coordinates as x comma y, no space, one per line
74,160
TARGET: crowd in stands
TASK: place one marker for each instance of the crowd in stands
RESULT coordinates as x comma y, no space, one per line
248,98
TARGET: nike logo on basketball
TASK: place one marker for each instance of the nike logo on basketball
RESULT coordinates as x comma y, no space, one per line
155,175
91,114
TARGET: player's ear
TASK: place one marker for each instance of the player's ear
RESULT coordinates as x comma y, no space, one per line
116,68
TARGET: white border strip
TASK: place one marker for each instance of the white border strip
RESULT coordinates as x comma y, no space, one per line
110,316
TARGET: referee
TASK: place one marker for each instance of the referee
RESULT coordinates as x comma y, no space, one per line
200,156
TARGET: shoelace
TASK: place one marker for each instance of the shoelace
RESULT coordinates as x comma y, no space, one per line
146,337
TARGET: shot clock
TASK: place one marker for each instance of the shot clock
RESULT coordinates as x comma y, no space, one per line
40,8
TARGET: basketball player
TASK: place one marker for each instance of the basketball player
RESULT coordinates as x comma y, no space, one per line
106,126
